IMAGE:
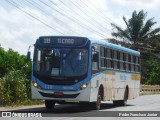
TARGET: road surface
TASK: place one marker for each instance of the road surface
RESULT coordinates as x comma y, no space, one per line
149,103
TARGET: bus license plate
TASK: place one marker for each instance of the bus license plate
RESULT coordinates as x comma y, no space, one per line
58,93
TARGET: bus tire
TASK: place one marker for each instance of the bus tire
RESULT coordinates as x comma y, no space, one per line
122,102
98,102
50,104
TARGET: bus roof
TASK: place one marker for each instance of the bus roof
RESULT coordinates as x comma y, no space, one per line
114,46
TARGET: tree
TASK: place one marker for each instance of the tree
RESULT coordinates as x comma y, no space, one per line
15,77
152,72
11,60
2,65
137,32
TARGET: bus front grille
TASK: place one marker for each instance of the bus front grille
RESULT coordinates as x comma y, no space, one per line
60,81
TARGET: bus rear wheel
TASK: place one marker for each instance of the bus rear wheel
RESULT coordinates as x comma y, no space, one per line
122,102
119,102
50,104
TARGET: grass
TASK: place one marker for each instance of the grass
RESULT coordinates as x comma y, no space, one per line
32,102
24,103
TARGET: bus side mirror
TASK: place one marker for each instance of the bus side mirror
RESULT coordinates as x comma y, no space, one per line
96,57
28,55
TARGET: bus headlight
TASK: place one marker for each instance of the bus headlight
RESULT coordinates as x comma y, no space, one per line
35,85
84,86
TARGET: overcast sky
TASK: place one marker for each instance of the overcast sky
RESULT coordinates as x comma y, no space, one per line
90,18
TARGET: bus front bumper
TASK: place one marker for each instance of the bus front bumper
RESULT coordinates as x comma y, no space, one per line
79,95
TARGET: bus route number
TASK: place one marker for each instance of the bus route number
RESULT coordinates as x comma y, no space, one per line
65,41
47,40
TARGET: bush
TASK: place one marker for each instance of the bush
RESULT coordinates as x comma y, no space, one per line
152,72
15,77
11,60
14,88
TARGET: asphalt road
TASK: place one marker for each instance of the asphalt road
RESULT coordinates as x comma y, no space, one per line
149,103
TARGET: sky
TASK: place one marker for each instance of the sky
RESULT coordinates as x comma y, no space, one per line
22,24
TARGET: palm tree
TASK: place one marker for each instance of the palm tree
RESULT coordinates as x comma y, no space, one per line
137,33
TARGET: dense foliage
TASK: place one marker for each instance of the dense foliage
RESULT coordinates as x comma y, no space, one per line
15,73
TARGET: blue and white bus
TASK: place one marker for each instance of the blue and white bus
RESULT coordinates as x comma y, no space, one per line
79,69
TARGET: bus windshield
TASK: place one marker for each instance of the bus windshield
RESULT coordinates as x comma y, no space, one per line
64,62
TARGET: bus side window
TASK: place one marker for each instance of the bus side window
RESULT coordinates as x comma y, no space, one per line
95,60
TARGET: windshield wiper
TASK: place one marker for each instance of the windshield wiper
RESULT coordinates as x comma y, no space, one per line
72,66
67,54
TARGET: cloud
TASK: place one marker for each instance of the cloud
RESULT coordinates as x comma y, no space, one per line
139,4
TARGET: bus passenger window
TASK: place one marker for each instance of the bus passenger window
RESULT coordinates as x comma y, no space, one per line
102,52
121,56
118,65
102,62
132,67
137,68
118,55
129,58
114,64
124,66
109,63
38,60
128,67
109,55
95,61
115,54
121,66
124,56
132,58
137,60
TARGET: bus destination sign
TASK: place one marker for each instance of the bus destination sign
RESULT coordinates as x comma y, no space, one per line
65,41
61,41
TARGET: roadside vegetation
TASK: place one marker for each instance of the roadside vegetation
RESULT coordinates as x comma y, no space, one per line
15,79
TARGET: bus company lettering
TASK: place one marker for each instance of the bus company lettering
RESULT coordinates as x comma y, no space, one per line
65,41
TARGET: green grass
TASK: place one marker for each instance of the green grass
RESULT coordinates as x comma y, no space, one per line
25,103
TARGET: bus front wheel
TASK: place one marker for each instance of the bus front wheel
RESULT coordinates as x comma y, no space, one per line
50,104
98,102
